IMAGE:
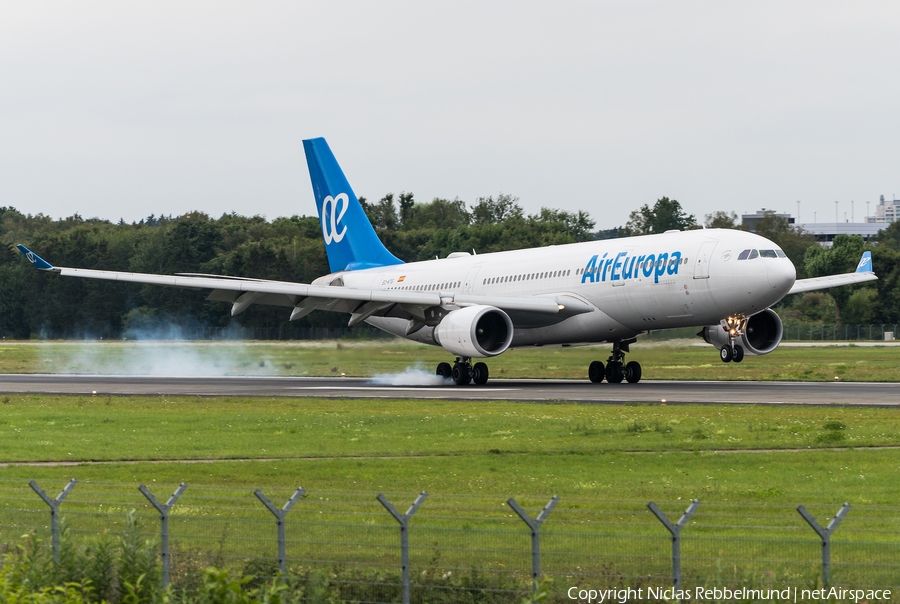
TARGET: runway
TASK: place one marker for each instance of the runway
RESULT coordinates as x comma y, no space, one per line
649,391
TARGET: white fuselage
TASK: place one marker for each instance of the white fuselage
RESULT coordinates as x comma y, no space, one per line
636,284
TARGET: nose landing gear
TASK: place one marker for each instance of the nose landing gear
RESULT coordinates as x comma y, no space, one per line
731,351
463,372
616,370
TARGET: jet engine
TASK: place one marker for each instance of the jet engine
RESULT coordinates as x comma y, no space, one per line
761,335
475,331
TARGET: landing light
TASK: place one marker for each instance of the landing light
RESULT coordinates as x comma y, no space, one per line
562,306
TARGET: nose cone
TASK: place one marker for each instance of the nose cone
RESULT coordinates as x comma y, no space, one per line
781,275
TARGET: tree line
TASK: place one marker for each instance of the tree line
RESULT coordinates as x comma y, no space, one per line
35,304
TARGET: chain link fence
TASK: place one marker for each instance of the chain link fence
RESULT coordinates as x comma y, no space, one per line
803,332
800,332
475,547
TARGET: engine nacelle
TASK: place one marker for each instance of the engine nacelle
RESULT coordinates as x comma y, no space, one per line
761,336
475,331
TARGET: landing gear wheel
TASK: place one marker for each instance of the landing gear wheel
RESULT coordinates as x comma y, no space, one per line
480,374
633,372
460,374
444,370
726,354
615,373
596,372
738,353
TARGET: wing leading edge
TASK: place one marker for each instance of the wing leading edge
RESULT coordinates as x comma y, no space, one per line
306,298
862,274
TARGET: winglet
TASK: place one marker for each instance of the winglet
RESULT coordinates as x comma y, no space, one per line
865,263
34,259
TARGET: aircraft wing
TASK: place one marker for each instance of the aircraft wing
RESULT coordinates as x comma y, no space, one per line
862,274
305,298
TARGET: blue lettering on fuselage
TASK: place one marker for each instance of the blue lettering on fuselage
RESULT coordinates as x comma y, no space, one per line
589,269
624,267
617,265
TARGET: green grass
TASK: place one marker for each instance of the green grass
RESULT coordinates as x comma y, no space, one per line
605,463
630,452
79,428
677,360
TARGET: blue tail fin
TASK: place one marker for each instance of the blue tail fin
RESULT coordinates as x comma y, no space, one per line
350,240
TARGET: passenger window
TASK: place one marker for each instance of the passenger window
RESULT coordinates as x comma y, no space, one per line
768,253
744,255
754,254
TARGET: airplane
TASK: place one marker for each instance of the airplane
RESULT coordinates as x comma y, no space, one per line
477,306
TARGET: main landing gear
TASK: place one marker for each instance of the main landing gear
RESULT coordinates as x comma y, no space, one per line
463,372
616,370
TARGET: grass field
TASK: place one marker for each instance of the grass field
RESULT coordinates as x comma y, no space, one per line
105,428
629,452
676,360
749,465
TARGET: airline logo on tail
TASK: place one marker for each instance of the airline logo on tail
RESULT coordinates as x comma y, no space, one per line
329,228
350,241
865,263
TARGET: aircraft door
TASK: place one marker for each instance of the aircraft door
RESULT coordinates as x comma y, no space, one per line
469,284
701,266
619,271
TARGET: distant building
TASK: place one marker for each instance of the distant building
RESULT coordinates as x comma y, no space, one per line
825,231
886,212
751,219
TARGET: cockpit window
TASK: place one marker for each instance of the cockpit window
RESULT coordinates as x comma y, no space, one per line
781,254
744,255
754,254
768,254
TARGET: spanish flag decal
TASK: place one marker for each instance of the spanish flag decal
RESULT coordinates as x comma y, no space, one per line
401,278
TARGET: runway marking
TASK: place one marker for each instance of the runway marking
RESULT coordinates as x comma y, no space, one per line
409,388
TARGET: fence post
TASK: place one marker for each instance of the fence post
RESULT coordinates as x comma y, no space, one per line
279,517
675,529
54,513
535,525
164,519
825,535
403,519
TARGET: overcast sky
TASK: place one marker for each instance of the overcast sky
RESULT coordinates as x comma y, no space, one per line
115,109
